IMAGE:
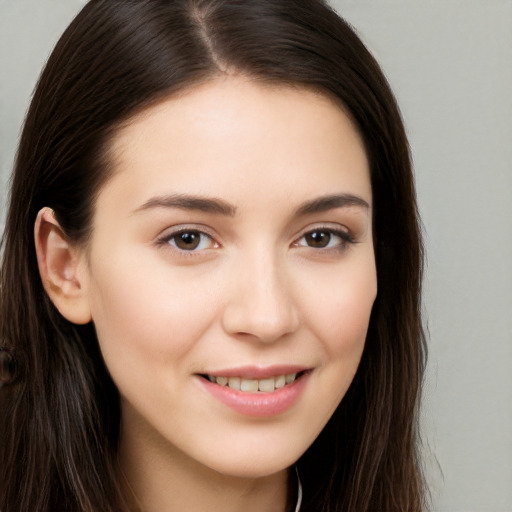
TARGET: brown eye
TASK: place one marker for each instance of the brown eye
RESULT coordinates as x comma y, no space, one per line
318,239
190,240
325,239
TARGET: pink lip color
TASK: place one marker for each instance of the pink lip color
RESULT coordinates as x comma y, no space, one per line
258,404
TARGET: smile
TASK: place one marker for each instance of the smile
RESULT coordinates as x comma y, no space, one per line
256,392
266,385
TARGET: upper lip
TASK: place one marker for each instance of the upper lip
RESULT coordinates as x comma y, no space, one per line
258,372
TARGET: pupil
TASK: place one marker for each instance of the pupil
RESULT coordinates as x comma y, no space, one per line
318,239
188,240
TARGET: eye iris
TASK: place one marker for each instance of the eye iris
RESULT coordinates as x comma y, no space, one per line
318,239
188,240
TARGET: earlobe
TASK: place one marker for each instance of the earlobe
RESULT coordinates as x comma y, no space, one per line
61,266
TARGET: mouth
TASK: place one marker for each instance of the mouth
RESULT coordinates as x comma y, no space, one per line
264,385
256,391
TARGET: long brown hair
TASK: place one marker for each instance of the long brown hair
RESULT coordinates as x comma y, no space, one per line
59,420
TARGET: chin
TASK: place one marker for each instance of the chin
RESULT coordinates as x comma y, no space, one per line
265,462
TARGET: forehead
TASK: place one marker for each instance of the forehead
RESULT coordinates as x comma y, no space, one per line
234,136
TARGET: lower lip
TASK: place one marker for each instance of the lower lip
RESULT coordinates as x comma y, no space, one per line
258,404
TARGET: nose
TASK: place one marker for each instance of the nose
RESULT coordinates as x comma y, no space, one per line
261,303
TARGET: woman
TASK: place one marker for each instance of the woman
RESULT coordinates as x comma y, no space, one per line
211,269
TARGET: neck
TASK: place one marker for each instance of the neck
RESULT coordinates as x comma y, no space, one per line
161,478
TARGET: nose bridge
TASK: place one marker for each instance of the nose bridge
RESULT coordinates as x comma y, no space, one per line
261,300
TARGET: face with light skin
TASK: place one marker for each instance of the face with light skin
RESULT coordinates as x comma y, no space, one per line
235,232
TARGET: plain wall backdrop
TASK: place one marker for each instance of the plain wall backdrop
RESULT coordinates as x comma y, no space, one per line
449,63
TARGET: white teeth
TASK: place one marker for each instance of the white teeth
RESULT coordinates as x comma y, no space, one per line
233,383
290,377
248,385
267,385
222,381
280,381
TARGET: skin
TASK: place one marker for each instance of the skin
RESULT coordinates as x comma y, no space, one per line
255,291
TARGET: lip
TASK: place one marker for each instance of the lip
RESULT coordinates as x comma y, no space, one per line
258,404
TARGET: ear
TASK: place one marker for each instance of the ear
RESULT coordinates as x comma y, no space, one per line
62,267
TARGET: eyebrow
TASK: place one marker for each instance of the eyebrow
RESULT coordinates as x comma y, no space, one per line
186,202
220,207
330,202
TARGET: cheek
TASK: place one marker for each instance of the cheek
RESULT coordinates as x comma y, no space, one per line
338,319
145,314
340,315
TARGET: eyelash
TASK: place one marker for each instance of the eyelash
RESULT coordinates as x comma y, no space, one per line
345,239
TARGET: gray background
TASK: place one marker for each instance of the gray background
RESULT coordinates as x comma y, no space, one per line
450,65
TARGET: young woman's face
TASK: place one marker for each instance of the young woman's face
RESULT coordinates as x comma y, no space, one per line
233,249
